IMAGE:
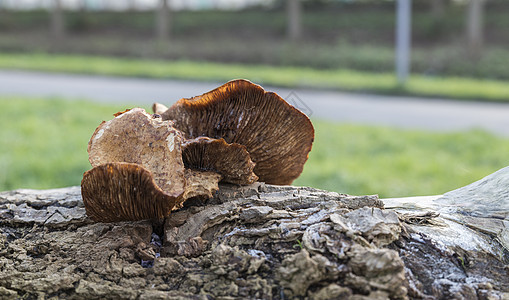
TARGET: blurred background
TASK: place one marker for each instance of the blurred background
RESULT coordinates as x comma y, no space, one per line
447,37
459,52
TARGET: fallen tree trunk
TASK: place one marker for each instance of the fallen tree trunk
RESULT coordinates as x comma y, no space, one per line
258,241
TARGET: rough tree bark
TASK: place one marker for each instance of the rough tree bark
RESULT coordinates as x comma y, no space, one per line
259,241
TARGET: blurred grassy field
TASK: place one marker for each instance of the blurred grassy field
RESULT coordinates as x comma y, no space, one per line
44,142
350,80
43,145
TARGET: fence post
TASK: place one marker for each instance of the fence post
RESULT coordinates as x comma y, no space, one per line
403,37
294,26
57,20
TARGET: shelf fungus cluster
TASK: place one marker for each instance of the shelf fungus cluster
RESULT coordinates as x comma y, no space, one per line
145,166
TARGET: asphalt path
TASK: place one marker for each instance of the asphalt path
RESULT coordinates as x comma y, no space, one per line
401,112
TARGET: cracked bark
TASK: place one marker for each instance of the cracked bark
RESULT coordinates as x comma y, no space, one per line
258,241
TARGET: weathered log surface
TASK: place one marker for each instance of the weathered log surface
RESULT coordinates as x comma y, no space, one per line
259,241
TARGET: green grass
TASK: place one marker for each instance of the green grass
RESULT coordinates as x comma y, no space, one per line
393,163
43,142
450,87
43,145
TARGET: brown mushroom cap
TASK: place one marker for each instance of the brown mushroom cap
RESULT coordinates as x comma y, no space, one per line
232,161
137,137
120,191
277,136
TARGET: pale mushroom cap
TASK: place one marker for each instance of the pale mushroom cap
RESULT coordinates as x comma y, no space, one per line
137,137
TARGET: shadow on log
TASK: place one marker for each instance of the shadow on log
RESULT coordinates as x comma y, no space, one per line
258,241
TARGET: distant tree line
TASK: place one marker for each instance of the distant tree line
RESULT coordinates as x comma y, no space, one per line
162,19
295,8
474,19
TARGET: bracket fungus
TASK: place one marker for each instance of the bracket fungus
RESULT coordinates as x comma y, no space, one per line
277,136
122,191
145,166
232,161
137,147
137,137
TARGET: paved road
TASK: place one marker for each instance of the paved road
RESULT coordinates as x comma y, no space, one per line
402,112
